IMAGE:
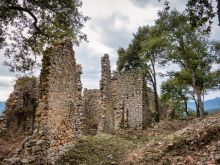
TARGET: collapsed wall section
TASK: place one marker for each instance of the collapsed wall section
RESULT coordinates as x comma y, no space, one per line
59,114
21,105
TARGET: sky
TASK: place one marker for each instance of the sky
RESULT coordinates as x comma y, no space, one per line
111,26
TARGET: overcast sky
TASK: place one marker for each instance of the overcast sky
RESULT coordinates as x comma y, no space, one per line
111,26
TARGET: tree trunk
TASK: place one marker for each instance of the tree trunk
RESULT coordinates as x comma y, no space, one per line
154,84
155,93
200,107
197,108
200,103
186,108
157,119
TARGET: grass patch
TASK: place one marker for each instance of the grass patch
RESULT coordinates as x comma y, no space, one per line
96,150
3,132
137,137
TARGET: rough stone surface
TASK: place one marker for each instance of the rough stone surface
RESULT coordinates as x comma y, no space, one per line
3,121
130,100
92,105
62,115
107,117
21,105
59,115
123,99
197,143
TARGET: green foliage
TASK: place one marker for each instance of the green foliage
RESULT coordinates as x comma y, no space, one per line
129,58
30,26
3,132
190,48
192,113
177,142
175,94
200,13
143,53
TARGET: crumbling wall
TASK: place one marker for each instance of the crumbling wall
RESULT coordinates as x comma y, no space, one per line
21,105
107,117
165,111
59,116
92,105
123,99
131,100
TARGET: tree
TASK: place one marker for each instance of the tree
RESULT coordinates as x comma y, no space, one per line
143,53
152,50
27,27
178,89
129,58
176,93
200,12
189,48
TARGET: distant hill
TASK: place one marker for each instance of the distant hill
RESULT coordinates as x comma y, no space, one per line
209,105
2,106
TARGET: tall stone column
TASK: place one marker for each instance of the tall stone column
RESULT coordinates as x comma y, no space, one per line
107,118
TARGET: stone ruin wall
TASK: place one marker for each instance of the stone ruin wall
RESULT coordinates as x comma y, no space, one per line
61,96
21,106
130,100
123,99
107,104
165,111
92,108
63,115
59,115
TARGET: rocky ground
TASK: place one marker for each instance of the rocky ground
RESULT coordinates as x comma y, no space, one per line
197,143
194,141
124,147
9,142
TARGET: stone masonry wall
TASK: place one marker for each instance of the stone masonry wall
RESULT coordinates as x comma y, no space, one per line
59,116
124,101
92,105
107,117
131,100
21,105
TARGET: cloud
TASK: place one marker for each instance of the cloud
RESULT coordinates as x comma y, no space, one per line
215,30
111,26
144,3
90,61
112,30
179,5
6,86
4,71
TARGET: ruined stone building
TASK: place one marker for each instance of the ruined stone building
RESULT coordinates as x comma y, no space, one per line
59,113
121,102
21,105
64,113
123,99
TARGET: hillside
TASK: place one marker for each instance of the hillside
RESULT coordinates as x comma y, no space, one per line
194,141
172,142
197,143
2,106
209,105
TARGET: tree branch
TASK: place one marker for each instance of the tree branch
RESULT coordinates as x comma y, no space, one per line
19,8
